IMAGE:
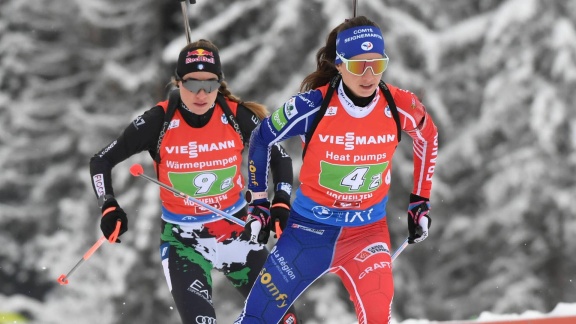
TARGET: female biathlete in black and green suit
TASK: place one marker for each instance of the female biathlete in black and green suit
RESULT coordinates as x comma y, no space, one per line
199,151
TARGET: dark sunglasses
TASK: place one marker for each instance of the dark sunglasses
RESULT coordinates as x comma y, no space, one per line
194,85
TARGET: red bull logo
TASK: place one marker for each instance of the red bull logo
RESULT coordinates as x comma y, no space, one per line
200,52
200,55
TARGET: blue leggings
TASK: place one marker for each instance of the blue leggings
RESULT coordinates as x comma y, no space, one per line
306,250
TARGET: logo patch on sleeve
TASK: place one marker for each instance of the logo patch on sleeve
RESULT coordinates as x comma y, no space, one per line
290,108
278,119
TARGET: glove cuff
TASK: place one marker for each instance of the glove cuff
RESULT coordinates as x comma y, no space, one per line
108,204
281,199
416,198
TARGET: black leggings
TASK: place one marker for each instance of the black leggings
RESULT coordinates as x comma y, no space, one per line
189,253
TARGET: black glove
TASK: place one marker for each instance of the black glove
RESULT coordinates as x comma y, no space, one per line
257,228
280,211
111,213
419,220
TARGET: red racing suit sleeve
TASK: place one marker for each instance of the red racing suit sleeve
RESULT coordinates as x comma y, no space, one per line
417,122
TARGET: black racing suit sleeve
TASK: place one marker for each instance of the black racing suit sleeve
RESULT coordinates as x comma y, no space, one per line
280,161
141,135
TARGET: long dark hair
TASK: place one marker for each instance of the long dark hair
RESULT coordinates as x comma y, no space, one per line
257,108
325,57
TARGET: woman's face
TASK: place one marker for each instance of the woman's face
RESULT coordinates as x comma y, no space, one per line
361,85
199,96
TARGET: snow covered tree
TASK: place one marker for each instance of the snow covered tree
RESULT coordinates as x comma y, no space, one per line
497,76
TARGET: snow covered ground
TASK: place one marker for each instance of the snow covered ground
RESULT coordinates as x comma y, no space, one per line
561,310
563,313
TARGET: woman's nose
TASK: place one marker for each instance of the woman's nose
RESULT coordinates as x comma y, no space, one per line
201,94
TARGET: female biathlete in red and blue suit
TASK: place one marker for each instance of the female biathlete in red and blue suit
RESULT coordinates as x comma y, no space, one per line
338,219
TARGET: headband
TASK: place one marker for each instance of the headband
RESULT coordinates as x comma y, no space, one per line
359,40
198,59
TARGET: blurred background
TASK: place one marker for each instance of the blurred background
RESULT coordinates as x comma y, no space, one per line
498,77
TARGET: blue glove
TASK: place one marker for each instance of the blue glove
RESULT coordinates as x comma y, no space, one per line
258,223
419,220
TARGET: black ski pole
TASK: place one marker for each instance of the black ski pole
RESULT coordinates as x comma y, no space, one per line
184,6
